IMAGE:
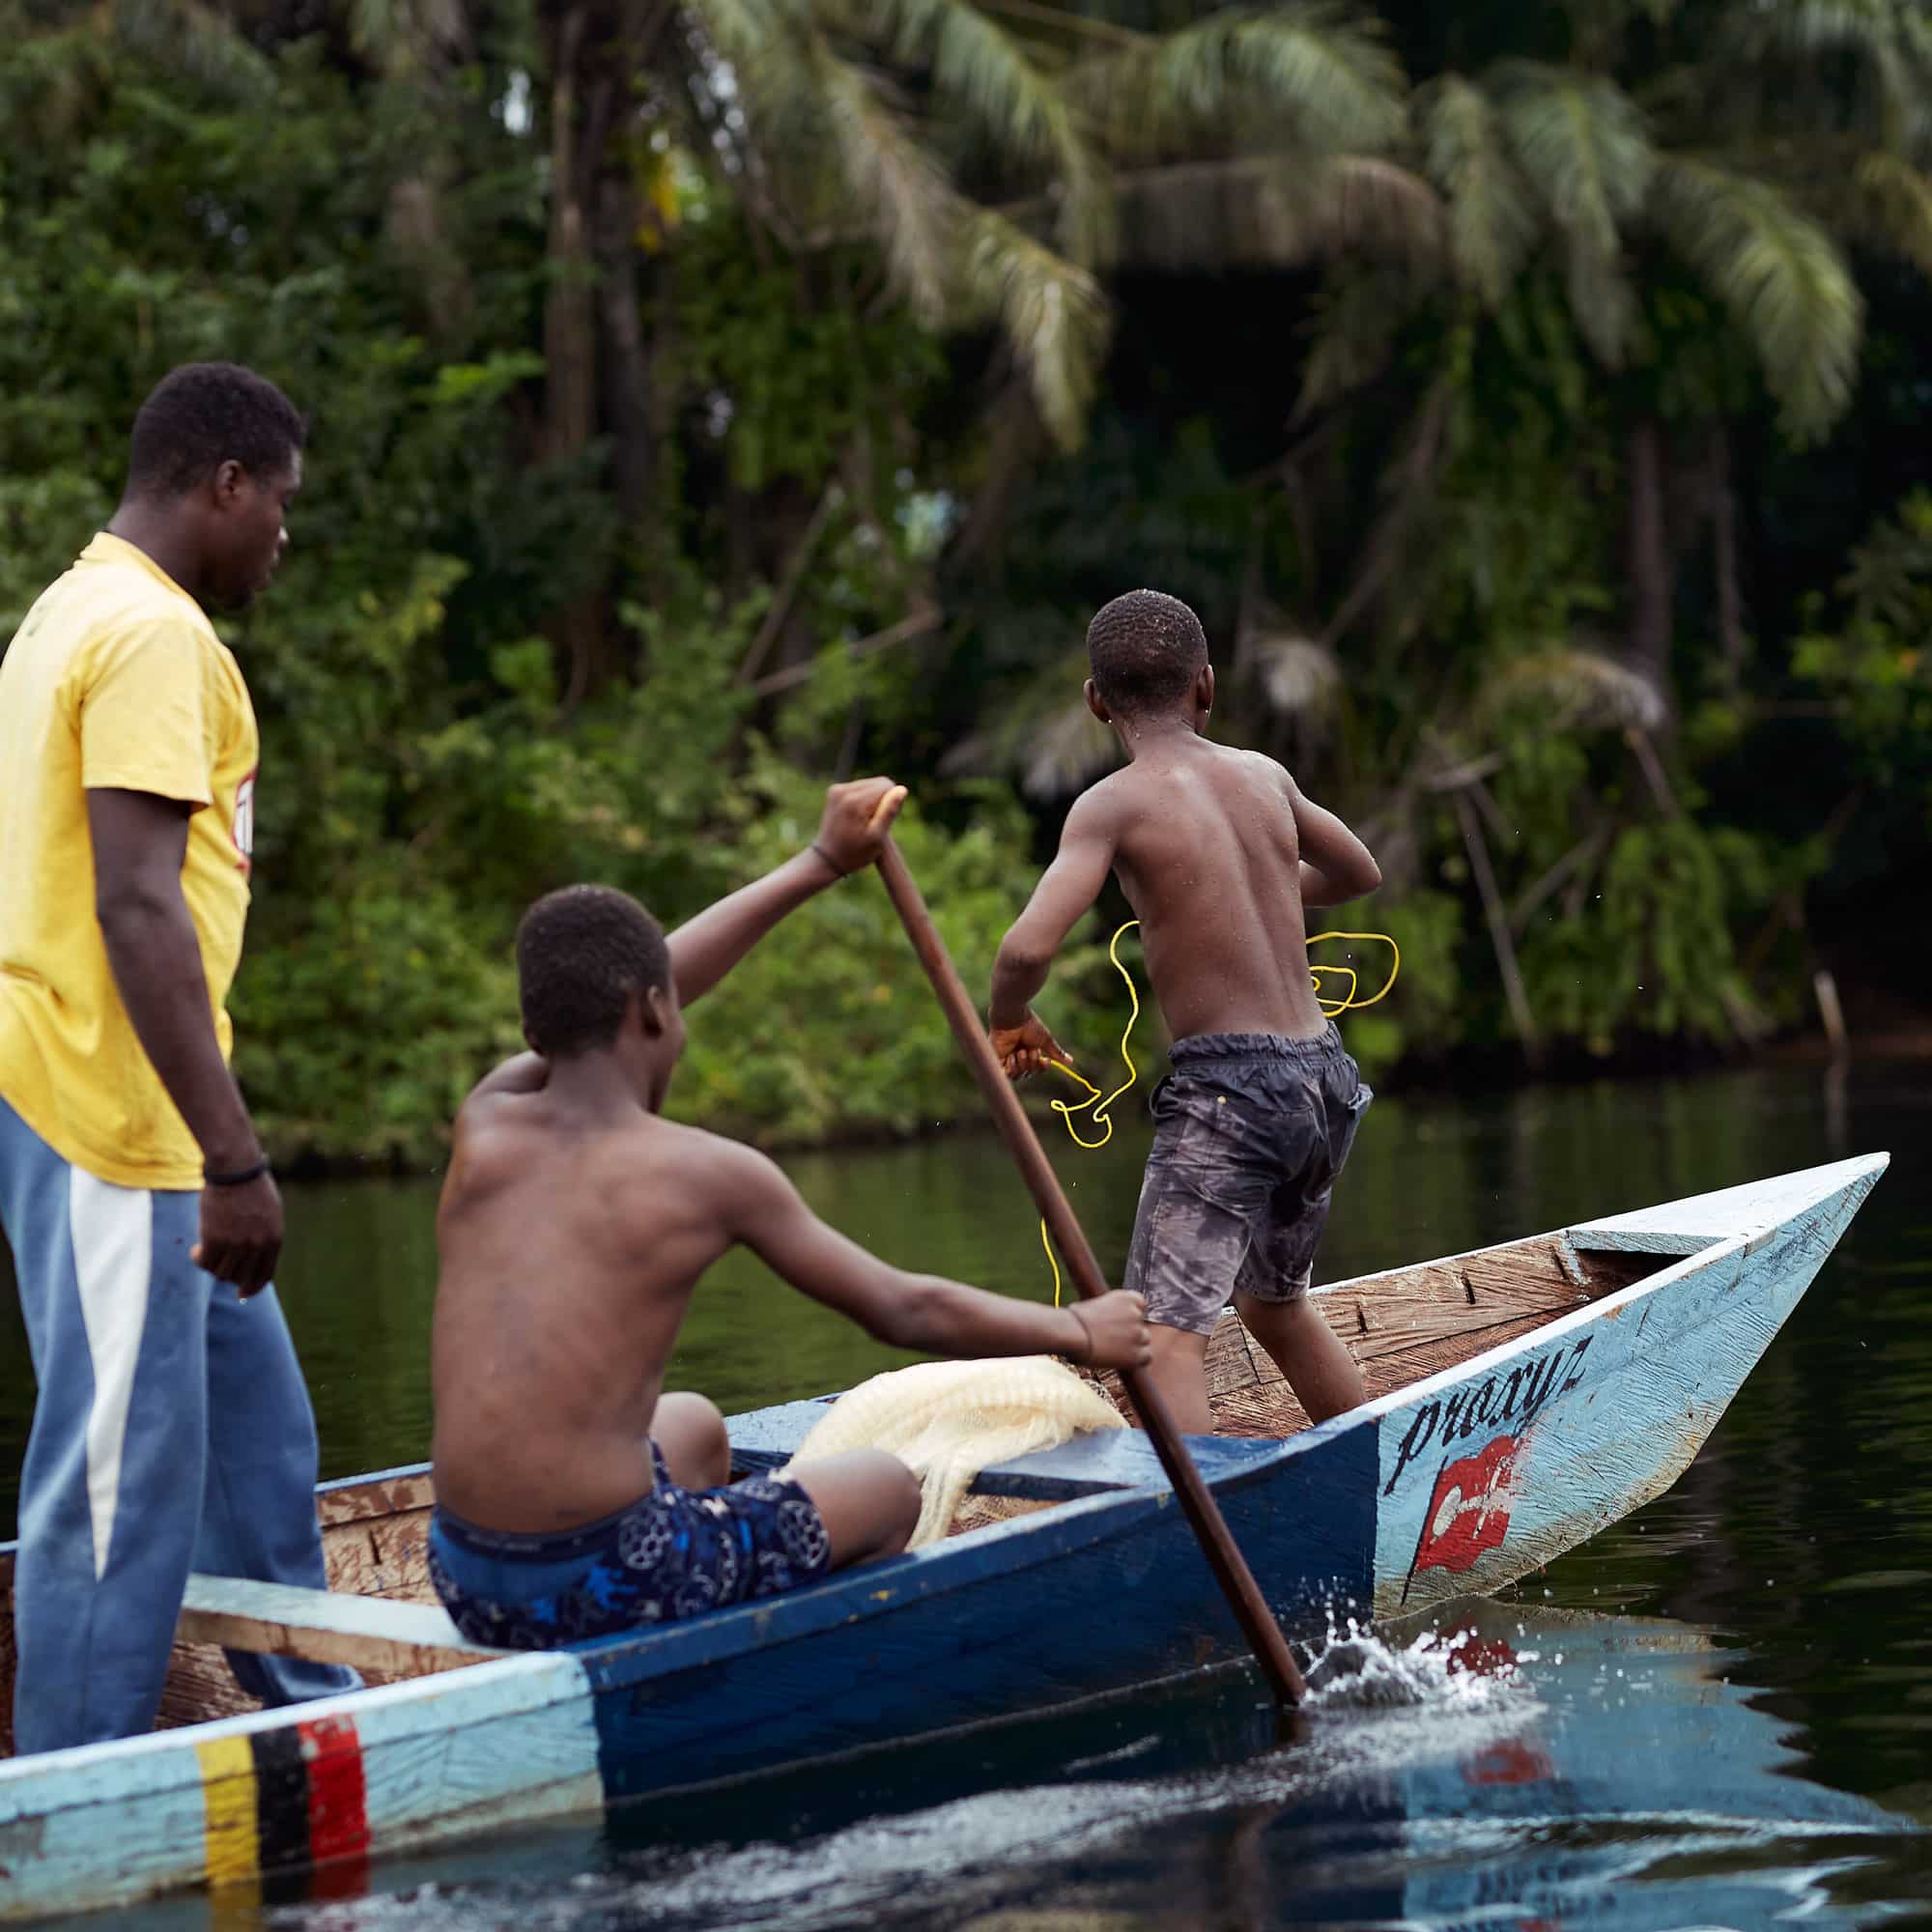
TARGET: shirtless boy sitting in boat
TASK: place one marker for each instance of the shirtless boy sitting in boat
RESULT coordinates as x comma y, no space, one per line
573,1498
1217,852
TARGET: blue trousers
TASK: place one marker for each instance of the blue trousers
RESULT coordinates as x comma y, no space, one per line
172,1433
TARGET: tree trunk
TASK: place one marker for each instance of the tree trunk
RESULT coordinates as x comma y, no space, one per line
622,352
1014,444
1494,913
791,575
1731,634
589,80
569,344
791,526
1650,572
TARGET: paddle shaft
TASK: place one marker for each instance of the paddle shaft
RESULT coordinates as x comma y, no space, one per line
1230,1568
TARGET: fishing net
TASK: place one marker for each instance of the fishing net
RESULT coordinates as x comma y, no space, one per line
947,1421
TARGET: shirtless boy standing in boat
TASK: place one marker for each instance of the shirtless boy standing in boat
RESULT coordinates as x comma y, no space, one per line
1217,852
573,1498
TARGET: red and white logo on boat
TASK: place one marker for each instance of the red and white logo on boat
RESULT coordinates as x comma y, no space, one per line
1468,1509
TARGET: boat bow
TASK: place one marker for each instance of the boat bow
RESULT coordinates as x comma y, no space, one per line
1821,1199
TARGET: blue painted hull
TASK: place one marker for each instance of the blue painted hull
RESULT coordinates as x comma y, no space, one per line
1456,1484
1002,1623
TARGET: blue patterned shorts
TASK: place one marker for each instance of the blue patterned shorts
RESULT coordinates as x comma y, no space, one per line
673,1553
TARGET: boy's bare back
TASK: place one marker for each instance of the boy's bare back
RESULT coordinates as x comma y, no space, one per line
1204,845
1218,854
568,1258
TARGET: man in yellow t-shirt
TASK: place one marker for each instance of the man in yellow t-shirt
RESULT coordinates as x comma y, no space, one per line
171,1430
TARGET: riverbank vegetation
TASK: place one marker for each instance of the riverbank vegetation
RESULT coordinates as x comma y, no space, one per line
714,396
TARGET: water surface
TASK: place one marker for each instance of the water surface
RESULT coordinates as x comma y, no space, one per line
1717,1713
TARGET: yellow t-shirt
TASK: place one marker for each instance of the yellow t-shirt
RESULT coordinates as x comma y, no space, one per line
115,680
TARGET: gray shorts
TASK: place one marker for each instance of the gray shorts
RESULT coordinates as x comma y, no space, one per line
1251,1131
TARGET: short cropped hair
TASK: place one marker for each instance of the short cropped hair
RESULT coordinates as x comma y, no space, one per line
203,414
1145,650
581,954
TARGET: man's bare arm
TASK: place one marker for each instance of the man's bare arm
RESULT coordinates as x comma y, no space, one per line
1336,867
139,843
850,834
1066,890
921,1312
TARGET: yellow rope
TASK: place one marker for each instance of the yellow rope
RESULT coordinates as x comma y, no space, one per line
1098,1107
1349,1003
1094,1105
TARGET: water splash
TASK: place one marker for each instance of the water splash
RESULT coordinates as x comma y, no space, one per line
1379,1707
1357,1669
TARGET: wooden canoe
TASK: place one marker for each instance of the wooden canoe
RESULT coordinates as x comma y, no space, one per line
1522,1397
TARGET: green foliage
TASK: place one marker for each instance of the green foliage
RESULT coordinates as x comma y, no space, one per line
1877,666
803,378
366,1020
1656,952
1781,277
868,302
835,1029
419,781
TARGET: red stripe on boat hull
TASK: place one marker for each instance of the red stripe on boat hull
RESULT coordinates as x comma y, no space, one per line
338,1819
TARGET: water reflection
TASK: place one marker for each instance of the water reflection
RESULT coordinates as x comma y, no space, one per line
1768,1751
1428,1177
1569,1770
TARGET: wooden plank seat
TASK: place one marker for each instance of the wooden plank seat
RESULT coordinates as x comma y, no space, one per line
1110,1458
324,1627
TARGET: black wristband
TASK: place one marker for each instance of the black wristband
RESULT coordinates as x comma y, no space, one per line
838,871
240,1177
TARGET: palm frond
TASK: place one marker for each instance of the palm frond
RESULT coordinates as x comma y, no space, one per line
1280,212
895,179
1493,218
956,262
1358,314
736,27
761,56
835,134
1602,301
986,73
1066,751
1049,740
1584,143
1778,273
1890,208
1314,75
1812,25
1889,38
1585,146
1050,309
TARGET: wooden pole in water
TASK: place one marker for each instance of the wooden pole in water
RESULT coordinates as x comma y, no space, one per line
1230,1568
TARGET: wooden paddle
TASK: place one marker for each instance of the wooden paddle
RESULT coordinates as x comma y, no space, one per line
1230,1568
